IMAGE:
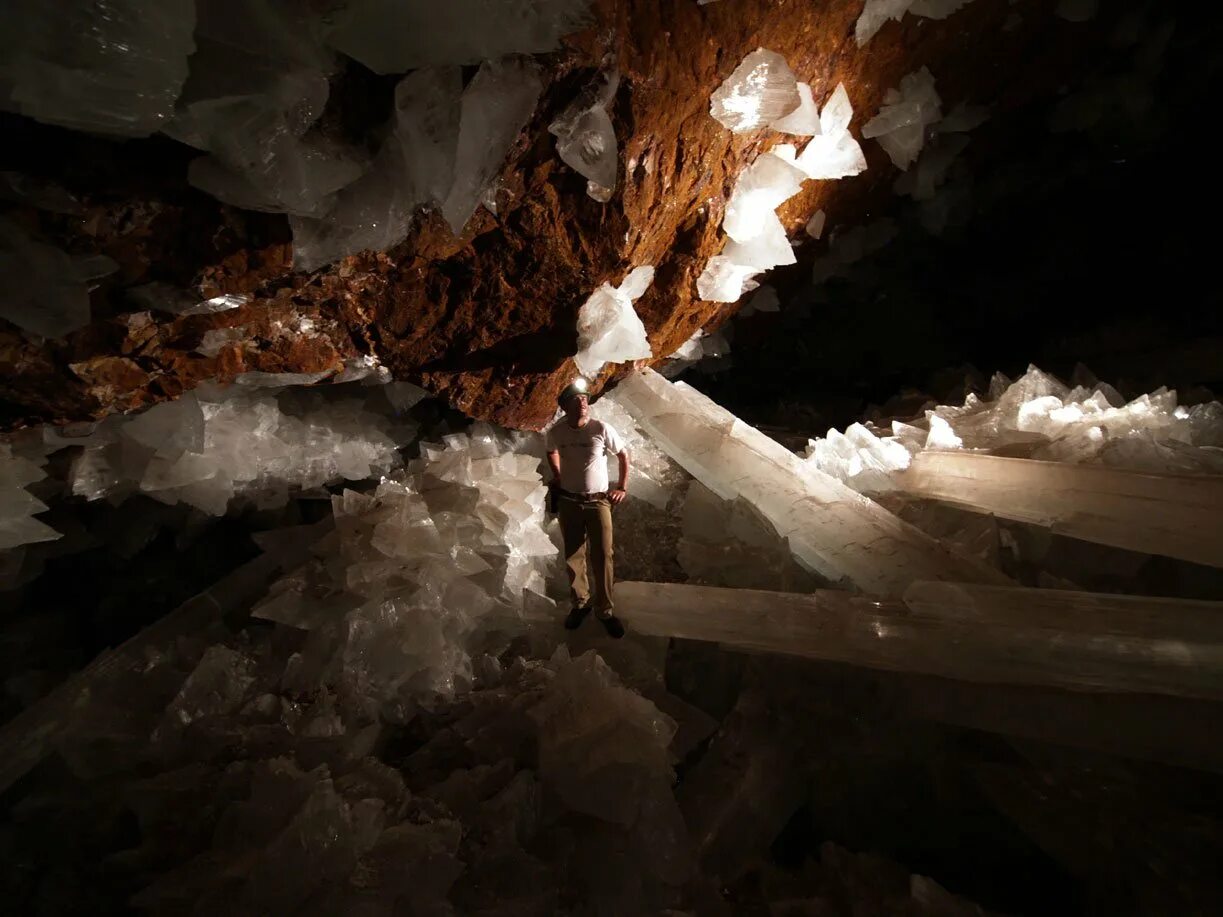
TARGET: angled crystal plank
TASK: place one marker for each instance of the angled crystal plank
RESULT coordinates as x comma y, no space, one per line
831,529
1176,515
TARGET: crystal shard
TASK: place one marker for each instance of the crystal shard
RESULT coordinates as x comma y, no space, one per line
585,138
900,126
113,68
496,106
609,330
17,506
760,91
831,529
762,187
804,120
1170,514
833,153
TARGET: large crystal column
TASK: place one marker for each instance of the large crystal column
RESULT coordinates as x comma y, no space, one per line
981,634
831,529
1172,514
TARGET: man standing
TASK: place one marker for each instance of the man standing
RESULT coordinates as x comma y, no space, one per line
578,447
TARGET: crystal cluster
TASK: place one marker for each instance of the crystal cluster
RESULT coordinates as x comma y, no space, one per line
907,113
17,505
418,565
215,444
831,530
258,84
877,12
761,90
586,139
46,290
393,37
1044,418
113,68
757,238
609,330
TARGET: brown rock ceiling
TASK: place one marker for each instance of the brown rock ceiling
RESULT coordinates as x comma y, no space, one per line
488,321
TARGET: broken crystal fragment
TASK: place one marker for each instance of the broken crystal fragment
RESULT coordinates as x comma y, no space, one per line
761,90
609,330
115,68
46,290
497,104
585,138
393,37
907,112
1172,514
831,529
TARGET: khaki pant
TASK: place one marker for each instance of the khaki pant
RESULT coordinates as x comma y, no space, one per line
586,529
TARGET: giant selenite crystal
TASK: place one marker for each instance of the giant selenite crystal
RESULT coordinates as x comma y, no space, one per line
761,90
900,126
998,635
497,104
45,290
831,529
609,330
109,68
390,36
586,139
1176,515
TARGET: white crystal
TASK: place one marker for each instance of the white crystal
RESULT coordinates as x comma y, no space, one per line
831,529
496,106
877,12
609,330
393,37
833,153
762,187
725,281
803,121
761,90
907,112
969,632
115,68
585,138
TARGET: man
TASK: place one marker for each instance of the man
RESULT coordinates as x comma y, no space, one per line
578,447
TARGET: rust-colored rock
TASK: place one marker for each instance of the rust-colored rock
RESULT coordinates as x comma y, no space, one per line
488,321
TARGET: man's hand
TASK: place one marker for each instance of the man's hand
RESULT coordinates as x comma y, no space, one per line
616,496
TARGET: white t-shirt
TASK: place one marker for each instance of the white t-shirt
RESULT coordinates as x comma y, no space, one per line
584,452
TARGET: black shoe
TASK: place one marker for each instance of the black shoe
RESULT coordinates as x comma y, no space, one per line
576,616
612,625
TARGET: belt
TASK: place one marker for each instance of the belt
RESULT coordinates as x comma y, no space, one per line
583,498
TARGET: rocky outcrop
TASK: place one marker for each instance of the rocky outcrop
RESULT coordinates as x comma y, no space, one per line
488,320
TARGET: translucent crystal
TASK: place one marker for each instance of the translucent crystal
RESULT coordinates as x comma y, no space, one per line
907,112
496,106
831,529
922,182
609,330
815,225
46,290
968,632
109,69
877,12
833,153
760,91
585,138
804,120
725,281
17,505
392,37
414,167
761,188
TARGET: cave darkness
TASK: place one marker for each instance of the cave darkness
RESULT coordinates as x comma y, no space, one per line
142,772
